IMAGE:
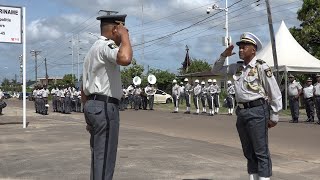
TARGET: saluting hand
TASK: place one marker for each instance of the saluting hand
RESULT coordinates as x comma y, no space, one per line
228,51
122,30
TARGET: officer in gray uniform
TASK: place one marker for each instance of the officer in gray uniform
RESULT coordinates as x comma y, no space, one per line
196,95
150,90
211,90
216,99
187,93
137,97
294,92
308,92
101,92
256,90
175,95
317,97
204,93
230,97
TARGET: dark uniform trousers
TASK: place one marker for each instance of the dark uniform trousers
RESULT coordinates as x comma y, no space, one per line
210,101
54,103
151,101
196,101
104,119
175,101
137,101
203,100
188,96
230,101
294,107
310,108
317,103
252,126
216,100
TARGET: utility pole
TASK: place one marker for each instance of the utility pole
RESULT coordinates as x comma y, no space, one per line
226,39
273,41
35,53
45,65
72,54
78,75
21,68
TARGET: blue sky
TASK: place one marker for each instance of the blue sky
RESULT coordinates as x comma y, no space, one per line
52,23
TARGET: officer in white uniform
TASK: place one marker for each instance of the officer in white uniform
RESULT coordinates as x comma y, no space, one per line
211,90
317,97
54,98
230,97
175,95
101,92
45,94
308,92
256,89
187,93
137,97
294,92
182,95
204,93
216,99
196,95
130,90
150,90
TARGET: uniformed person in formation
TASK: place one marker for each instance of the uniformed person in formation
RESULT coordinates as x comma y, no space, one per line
196,95
187,93
317,97
211,90
53,93
204,92
130,90
294,92
216,99
137,97
45,95
150,90
101,92
175,95
256,89
2,103
230,97
182,95
308,93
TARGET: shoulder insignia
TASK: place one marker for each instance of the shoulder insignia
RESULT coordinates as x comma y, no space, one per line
239,70
260,61
268,72
112,45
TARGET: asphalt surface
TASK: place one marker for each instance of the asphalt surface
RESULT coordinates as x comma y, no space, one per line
153,145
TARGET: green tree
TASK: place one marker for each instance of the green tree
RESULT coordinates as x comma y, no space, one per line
5,84
308,34
67,80
164,79
197,65
129,72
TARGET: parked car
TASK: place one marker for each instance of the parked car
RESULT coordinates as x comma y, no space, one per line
6,95
162,97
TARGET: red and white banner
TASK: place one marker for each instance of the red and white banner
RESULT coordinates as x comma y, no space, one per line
10,24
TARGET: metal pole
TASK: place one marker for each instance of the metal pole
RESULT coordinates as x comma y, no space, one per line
78,62
273,41
45,64
72,58
24,86
227,30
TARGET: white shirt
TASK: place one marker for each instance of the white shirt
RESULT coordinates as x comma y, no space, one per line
45,93
293,88
101,73
308,91
317,89
1,94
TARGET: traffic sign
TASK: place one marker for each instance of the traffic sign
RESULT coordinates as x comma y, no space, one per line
10,24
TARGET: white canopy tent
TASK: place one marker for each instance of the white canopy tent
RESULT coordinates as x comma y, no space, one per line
292,57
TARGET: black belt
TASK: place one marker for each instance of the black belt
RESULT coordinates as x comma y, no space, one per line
252,104
106,99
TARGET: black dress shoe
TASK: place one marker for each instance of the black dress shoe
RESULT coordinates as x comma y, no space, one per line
187,112
308,120
318,122
175,112
293,121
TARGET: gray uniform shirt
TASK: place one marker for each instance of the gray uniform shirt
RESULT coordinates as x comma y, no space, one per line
204,91
216,89
187,89
137,91
317,89
176,90
308,91
253,81
150,91
101,73
293,88
231,90
197,90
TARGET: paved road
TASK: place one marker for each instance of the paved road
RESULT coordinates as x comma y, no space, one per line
153,145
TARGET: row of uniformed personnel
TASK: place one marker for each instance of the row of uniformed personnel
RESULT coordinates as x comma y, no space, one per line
208,95
66,99
40,95
311,94
138,97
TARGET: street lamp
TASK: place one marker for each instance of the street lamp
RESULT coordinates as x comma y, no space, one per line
226,39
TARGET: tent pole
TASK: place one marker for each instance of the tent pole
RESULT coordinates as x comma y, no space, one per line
286,89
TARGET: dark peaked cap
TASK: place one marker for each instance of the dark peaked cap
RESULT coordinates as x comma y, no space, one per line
114,18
